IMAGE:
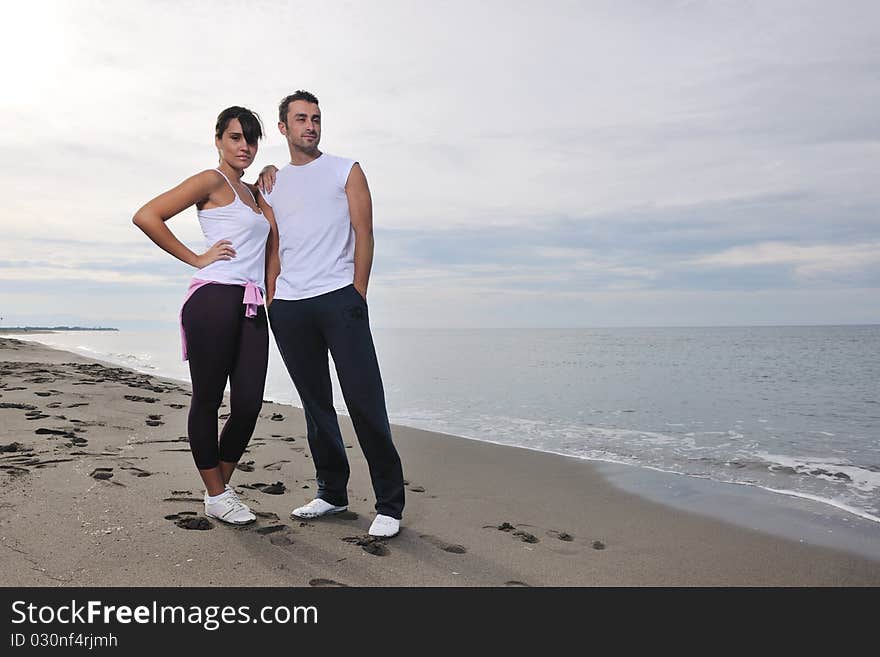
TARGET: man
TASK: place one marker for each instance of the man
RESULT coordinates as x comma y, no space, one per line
322,258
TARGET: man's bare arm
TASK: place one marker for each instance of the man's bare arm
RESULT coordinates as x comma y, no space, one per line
360,208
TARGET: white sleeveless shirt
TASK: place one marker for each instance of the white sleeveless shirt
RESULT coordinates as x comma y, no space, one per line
247,230
315,236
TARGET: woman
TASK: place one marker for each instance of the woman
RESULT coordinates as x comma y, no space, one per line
223,321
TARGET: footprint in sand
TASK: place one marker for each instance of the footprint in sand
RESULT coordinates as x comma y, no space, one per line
177,406
224,416
278,488
21,407
453,548
189,520
270,529
276,417
598,545
154,420
319,581
102,473
276,465
562,536
52,462
245,466
417,489
77,404
182,514
524,536
54,432
15,470
137,472
371,544
281,540
138,398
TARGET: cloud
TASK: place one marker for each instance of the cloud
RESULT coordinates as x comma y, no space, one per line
641,149
63,275
807,261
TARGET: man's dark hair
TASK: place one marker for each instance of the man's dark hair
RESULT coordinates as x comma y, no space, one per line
251,126
285,103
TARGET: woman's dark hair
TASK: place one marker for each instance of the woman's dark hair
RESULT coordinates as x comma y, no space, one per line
251,125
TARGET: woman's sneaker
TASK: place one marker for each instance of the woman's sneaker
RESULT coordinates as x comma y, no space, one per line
226,507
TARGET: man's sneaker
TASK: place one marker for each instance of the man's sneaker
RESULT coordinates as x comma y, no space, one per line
226,507
385,526
316,508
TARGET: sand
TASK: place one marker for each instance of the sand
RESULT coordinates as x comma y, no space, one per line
98,488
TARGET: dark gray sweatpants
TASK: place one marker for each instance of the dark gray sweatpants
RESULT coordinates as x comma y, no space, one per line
338,322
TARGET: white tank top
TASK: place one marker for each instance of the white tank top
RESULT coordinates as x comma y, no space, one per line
316,240
247,230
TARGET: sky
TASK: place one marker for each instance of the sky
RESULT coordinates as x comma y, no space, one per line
556,164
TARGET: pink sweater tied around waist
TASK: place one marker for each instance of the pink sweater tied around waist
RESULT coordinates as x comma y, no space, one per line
253,297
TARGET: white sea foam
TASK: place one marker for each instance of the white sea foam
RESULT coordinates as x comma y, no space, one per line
824,500
860,478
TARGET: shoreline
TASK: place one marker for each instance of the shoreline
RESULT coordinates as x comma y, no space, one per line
776,497
820,519
461,491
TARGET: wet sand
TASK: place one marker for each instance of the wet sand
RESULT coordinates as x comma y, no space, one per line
98,488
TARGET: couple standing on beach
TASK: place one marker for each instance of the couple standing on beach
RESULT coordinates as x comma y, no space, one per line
300,245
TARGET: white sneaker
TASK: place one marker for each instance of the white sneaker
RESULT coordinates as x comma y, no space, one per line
226,507
316,508
385,526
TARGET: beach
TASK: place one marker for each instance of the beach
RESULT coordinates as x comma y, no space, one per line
99,489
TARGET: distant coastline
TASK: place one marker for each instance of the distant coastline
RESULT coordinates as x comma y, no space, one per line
51,329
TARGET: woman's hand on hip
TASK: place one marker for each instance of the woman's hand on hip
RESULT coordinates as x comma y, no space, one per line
222,250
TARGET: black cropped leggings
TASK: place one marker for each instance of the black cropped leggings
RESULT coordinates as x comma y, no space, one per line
223,344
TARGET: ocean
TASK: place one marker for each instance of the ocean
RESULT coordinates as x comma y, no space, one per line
793,410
